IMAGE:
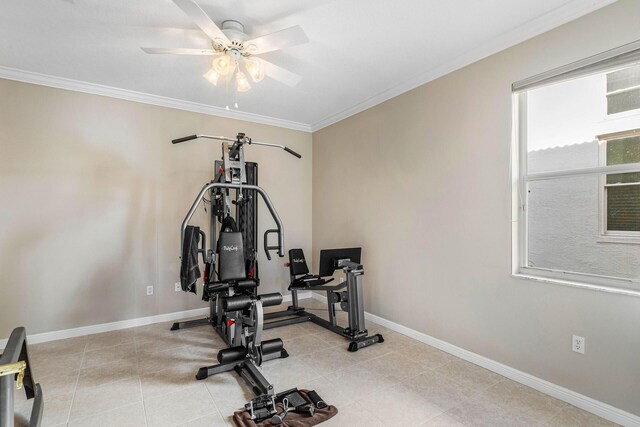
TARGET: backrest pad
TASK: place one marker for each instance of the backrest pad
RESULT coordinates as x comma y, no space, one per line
231,264
297,262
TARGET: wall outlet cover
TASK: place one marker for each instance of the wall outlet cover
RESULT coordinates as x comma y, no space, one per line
149,290
178,287
578,344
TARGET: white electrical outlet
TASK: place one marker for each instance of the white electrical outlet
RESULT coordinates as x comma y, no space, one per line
149,290
178,287
578,344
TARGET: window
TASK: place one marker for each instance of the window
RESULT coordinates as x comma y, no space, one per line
577,175
623,90
621,191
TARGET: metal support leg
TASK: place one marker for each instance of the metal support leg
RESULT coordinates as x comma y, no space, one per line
6,400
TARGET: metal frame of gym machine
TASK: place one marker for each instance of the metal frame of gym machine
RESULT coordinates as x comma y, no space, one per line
351,301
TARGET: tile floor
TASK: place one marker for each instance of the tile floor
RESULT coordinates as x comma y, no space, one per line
145,376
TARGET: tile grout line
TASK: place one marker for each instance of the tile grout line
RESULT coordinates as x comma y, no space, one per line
215,404
75,388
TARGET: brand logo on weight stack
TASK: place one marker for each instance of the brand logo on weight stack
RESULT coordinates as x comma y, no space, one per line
230,248
299,260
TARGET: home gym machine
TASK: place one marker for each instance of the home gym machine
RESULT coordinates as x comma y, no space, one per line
349,294
230,279
234,188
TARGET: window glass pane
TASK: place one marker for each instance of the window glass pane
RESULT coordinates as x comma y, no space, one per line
623,178
624,150
623,208
564,230
623,79
562,124
623,101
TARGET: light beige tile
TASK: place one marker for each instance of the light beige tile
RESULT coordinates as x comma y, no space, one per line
59,347
357,382
161,342
442,420
43,365
285,333
440,391
125,353
150,360
331,338
107,373
168,380
109,339
529,403
428,356
93,400
125,416
306,344
179,406
329,360
331,394
287,373
153,331
398,341
576,417
229,392
55,412
399,405
394,365
469,374
355,415
57,384
212,420
203,355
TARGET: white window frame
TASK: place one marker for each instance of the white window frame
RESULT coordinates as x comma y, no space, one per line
619,113
520,177
612,236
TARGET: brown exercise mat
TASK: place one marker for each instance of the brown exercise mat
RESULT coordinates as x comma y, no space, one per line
243,419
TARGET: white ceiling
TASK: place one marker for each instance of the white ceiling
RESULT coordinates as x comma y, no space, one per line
360,53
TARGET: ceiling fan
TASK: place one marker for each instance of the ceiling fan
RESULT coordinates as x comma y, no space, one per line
234,50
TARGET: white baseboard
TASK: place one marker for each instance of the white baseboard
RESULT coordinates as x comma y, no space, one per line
596,407
124,324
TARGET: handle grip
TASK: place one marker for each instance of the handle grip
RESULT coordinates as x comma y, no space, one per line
268,248
184,139
290,151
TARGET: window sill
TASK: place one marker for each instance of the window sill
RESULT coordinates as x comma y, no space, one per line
627,240
575,284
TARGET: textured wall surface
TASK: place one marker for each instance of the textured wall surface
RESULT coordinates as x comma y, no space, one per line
564,219
93,194
422,183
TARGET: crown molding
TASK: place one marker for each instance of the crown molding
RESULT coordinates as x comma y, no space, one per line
537,26
144,98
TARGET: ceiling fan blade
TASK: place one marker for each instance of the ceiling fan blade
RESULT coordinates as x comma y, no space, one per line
179,51
279,40
278,73
201,19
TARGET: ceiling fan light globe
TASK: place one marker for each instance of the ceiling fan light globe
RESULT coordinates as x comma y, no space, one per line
255,70
242,83
213,76
223,65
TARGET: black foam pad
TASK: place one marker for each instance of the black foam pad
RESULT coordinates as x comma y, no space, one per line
269,300
297,262
231,263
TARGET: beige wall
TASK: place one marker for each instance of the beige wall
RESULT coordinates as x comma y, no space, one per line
422,183
93,194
